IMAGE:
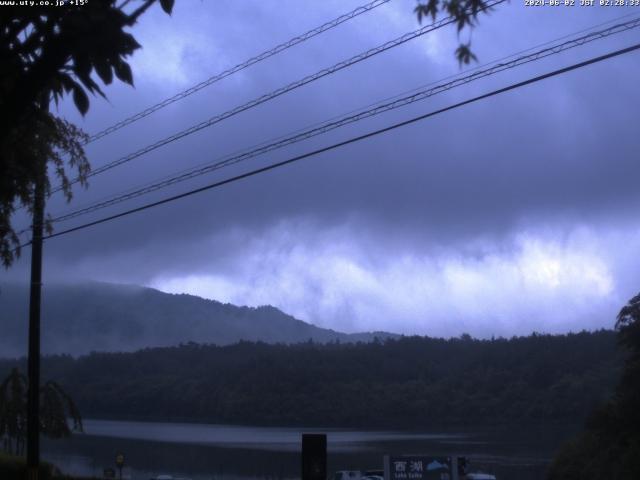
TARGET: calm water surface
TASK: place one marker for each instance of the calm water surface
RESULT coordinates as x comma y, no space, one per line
202,451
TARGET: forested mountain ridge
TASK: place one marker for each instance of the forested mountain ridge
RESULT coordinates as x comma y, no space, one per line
410,382
81,318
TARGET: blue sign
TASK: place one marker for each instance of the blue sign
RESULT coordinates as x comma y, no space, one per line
419,467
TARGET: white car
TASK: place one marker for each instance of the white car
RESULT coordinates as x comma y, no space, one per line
372,477
347,475
168,477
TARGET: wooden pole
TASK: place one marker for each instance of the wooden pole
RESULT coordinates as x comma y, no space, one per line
33,395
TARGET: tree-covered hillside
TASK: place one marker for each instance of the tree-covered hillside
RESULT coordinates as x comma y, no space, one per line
81,318
410,382
609,446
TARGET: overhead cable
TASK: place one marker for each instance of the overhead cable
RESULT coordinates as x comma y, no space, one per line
278,92
239,67
349,119
359,138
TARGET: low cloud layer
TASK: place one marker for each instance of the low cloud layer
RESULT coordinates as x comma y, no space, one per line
515,214
545,281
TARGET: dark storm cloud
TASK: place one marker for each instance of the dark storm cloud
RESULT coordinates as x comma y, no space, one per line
479,191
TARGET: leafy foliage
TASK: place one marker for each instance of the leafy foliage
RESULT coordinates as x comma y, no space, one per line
13,411
464,54
628,326
610,445
465,13
56,408
44,137
410,382
15,468
46,53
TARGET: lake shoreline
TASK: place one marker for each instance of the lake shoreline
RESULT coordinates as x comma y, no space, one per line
205,451
445,426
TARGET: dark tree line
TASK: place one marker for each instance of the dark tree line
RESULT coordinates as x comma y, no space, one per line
610,445
411,382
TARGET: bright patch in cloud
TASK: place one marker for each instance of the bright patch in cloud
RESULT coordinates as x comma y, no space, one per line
530,283
179,57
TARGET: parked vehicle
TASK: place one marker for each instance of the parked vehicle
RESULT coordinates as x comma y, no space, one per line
168,477
347,475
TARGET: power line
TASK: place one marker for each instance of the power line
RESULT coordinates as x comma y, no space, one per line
350,141
346,120
239,67
379,102
226,73
280,91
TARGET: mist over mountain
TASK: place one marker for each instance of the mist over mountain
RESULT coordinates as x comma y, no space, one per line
81,318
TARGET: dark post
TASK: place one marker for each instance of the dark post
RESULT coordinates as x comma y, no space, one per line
314,456
120,463
33,399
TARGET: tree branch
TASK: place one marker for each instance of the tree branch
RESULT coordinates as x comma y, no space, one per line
133,17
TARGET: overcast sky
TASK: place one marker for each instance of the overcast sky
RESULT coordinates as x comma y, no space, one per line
512,215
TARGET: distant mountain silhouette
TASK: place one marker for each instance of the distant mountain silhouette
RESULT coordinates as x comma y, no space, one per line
78,319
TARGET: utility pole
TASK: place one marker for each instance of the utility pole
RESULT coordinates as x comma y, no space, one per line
33,395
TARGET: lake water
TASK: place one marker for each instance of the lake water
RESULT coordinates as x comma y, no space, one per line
208,452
